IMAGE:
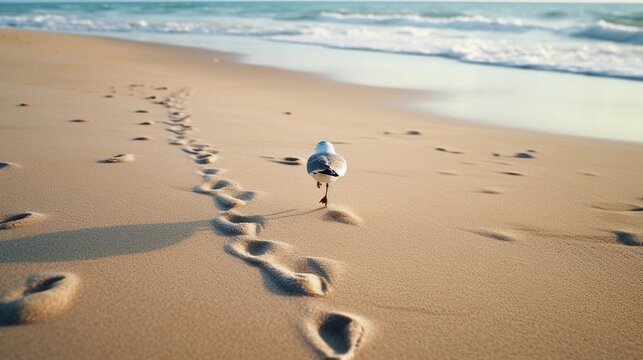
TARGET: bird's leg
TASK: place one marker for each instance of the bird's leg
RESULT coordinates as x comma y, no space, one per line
318,184
324,200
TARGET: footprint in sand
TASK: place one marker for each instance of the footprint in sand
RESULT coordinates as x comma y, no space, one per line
512,173
198,149
449,151
120,158
82,121
335,335
448,172
227,202
143,138
205,158
178,141
213,171
183,121
258,252
21,219
628,238
290,160
296,282
41,297
231,223
618,207
495,235
181,130
341,215
491,190
308,276
227,194
527,154
410,132
8,165
524,155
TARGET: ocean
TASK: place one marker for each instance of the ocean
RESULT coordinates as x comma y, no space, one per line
573,69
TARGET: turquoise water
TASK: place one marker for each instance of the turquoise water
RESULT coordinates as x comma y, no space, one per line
517,65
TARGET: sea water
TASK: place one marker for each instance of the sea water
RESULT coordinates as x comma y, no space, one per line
572,69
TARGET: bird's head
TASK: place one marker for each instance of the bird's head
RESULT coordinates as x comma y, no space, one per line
324,147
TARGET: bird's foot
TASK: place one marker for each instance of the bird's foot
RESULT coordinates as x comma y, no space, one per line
324,201
318,184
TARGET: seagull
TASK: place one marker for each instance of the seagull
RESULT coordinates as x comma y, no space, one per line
326,166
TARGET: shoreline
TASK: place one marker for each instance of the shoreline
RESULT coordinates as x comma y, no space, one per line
417,102
444,240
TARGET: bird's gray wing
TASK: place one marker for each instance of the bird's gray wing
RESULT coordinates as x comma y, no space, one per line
329,164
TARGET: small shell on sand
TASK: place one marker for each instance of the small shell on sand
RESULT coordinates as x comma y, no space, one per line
143,138
21,219
85,121
120,158
40,298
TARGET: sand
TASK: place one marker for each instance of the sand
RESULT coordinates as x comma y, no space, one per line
444,240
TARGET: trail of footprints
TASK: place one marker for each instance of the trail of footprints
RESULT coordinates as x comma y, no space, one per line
332,334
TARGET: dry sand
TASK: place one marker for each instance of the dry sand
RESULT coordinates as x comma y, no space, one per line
444,240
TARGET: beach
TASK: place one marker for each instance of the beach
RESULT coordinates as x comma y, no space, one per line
206,239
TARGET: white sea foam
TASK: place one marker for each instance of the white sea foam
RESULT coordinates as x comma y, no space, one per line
473,22
605,30
501,35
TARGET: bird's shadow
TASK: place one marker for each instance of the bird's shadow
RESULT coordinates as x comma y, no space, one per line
99,242
290,213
